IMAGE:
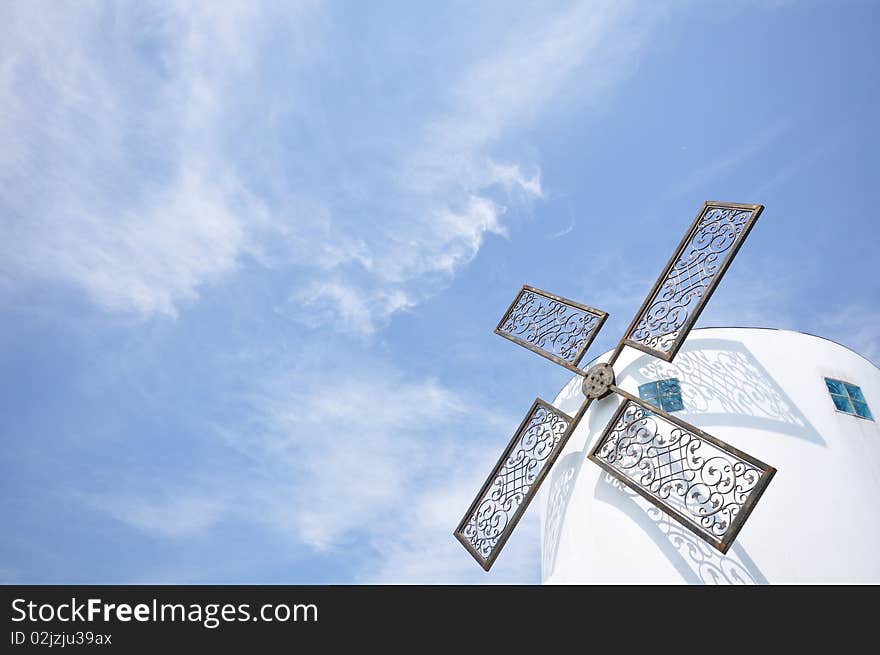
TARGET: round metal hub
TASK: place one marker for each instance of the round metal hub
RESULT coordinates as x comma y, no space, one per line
598,381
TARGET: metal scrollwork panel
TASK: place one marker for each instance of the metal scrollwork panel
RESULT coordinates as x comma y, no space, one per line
690,277
554,327
511,486
707,485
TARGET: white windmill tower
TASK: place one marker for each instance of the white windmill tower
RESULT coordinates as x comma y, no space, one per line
668,499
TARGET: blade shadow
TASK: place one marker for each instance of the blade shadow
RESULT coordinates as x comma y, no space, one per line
695,560
722,383
562,482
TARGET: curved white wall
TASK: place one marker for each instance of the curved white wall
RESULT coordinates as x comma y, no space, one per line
762,391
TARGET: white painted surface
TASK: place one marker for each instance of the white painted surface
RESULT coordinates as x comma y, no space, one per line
762,391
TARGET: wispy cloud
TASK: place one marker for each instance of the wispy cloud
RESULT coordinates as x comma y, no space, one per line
162,162
452,187
854,325
135,184
449,190
372,456
168,516
564,231
798,165
110,151
719,166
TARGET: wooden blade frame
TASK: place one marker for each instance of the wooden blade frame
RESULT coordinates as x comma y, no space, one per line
509,489
690,278
536,319
707,485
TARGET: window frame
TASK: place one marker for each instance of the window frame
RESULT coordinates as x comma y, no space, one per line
849,398
658,395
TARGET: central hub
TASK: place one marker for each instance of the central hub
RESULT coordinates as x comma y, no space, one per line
598,381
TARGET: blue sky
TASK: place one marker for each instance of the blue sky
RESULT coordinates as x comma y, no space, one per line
252,254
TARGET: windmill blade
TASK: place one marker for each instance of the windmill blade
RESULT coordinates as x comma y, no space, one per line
686,284
708,486
554,327
515,480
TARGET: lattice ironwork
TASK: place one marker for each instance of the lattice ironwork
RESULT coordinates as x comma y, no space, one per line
690,277
707,485
554,327
509,489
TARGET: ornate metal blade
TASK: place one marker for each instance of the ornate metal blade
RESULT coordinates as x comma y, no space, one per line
708,486
554,327
514,481
686,284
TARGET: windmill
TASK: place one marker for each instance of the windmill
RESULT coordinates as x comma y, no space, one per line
705,484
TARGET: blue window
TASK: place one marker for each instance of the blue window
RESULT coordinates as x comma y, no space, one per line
665,394
848,398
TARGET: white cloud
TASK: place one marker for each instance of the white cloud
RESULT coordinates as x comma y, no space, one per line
763,295
595,40
147,259
454,190
335,302
417,545
115,180
854,326
124,133
362,447
125,189
371,457
170,516
720,166
563,232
